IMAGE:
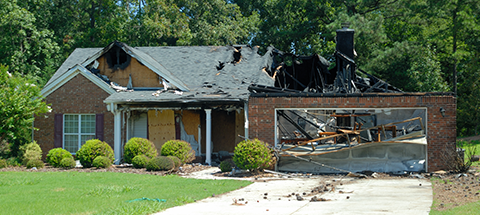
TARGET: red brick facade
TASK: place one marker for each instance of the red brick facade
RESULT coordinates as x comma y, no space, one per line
77,96
441,133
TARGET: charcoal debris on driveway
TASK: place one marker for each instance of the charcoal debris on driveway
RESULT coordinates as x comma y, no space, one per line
317,194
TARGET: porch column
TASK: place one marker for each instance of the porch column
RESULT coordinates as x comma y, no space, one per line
117,135
245,109
208,132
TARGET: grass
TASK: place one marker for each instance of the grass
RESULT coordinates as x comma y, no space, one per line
470,208
101,192
471,147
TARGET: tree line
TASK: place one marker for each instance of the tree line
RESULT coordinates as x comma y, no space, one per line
415,45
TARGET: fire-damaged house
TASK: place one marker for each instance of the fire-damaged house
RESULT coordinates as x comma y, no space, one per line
320,118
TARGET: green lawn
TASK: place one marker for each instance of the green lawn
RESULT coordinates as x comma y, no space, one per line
101,192
471,208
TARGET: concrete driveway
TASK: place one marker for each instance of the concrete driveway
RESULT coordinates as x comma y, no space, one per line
351,196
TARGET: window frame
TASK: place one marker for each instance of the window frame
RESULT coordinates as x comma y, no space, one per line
79,133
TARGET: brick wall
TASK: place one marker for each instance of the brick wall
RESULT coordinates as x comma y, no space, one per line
77,96
441,134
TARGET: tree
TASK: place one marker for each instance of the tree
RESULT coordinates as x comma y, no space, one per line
20,100
217,22
24,47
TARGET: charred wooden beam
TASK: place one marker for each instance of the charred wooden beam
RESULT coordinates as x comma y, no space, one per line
291,121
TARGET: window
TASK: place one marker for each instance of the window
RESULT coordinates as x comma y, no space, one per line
77,130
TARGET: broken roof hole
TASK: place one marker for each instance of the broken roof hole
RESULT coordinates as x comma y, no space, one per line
237,56
117,58
220,65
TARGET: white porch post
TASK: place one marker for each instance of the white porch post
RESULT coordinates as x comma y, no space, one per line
117,134
245,109
208,132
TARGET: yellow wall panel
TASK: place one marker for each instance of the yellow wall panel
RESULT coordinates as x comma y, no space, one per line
161,127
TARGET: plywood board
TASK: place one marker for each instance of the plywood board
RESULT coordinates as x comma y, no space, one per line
161,127
191,120
142,76
239,126
223,131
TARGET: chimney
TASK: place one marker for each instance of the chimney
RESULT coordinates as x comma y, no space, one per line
345,41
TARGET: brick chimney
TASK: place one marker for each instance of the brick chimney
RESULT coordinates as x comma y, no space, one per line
345,41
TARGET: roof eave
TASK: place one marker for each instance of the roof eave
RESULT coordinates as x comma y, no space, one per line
71,73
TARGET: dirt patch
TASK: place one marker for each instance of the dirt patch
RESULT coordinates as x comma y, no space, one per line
469,138
453,190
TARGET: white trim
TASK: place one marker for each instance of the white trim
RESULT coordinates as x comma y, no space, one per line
71,73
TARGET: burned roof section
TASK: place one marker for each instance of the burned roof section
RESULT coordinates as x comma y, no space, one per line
311,74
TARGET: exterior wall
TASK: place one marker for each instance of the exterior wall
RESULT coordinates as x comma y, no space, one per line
77,96
441,134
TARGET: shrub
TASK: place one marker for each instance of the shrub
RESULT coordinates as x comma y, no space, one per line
5,149
3,163
91,150
101,162
226,165
67,163
176,161
35,163
179,149
139,146
253,155
140,161
160,163
30,151
56,155
13,161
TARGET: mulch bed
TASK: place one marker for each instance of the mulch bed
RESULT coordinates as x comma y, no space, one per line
185,169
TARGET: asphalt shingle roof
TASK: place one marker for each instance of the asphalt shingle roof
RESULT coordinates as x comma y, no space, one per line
209,72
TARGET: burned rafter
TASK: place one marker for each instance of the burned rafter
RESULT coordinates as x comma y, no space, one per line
296,125
358,131
310,74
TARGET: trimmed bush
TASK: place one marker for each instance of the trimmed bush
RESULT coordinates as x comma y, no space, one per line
160,163
30,151
67,163
140,161
56,155
139,146
3,163
176,161
35,163
5,149
179,149
101,162
13,161
91,150
226,165
253,155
